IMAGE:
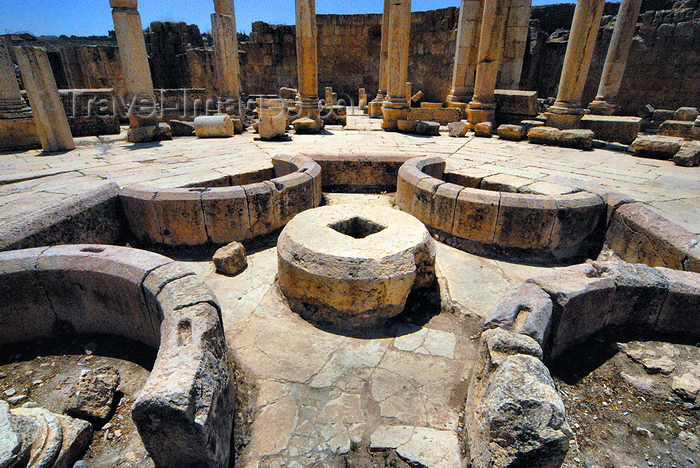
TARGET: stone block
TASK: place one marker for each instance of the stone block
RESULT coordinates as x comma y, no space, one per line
639,235
407,126
677,128
525,309
442,115
504,183
483,129
662,115
458,129
215,126
680,314
294,194
93,397
230,259
306,125
476,215
512,132
579,219
575,138
511,101
688,155
139,210
428,128
443,205
686,114
226,214
180,216
544,135
18,134
655,147
261,208
613,128
525,221
582,301
181,129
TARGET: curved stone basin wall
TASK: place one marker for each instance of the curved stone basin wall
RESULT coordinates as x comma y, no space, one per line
514,413
199,215
521,225
184,413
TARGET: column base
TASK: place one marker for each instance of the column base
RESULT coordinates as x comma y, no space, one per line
601,107
18,134
375,109
392,113
462,106
308,125
478,112
564,118
146,134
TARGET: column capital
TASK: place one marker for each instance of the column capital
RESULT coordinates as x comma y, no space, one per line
132,4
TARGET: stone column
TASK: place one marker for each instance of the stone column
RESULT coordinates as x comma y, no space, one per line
307,66
17,128
605,102
467,49
143,113
567,111
49,116
226,62
396,107
482,107
375,107
514,44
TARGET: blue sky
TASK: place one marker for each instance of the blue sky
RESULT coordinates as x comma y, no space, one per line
92,17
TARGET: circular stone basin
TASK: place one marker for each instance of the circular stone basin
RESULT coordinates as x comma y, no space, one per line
353,267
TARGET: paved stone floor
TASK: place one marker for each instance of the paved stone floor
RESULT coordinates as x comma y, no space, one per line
321,392
30,180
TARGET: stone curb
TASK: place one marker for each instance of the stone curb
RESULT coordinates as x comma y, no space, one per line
200,215
184,413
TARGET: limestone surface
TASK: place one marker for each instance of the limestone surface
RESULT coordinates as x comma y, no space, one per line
353,267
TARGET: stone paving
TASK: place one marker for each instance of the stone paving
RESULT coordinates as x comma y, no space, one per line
30,180
320,392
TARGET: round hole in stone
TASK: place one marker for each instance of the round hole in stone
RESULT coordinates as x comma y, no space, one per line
357,227
93,250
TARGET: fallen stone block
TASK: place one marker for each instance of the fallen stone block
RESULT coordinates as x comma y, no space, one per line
525,309
613,128
528,124
458,129
579,139
512,132
677,128
428,128
483,129
442,115
688,155
181,129
686,114
93,396
307,126
214,126
407,126
655,147
663,115
544,135
512,101
230,259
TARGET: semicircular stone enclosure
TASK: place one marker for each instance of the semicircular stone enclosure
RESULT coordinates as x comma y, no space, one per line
500,220
184,412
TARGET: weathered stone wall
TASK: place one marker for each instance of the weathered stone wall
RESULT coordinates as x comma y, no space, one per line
166,44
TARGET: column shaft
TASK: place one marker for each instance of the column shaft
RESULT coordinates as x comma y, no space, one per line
467,49
50,117
396,106
307,58
132,51
9,88
375,107
482,107
616,60
514,44
223,27
567,111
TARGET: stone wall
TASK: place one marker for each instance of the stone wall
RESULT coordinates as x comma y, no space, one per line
167,43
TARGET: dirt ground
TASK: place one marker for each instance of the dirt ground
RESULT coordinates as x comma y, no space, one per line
619,423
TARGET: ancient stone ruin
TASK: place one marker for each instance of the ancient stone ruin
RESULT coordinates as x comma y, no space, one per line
466,237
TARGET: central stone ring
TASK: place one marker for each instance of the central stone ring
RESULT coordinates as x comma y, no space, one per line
353,267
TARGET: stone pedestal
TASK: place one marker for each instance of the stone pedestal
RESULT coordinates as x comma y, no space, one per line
375,107
307,63
605,102
467,49
49,116
482,107
17,128
396,105
567,111
228,84
137,74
